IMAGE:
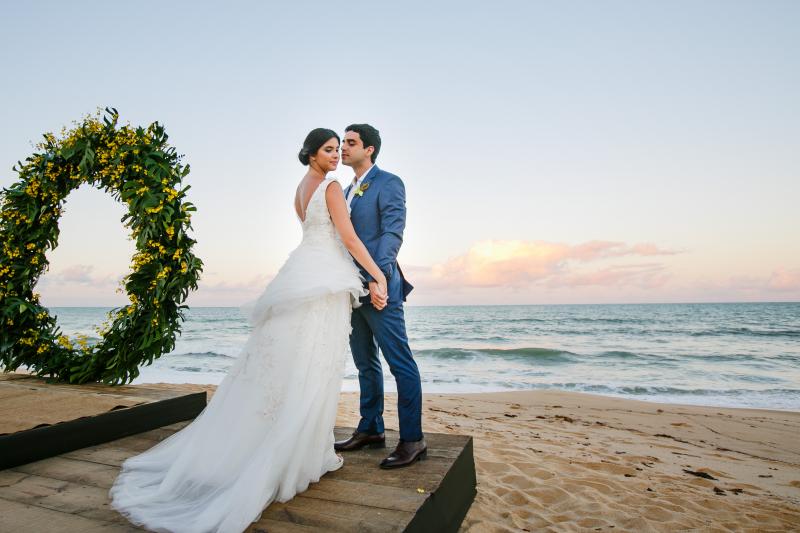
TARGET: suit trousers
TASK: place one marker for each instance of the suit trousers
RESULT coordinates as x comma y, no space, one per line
385,329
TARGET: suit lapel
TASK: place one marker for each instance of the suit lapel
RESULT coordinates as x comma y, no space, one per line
367,179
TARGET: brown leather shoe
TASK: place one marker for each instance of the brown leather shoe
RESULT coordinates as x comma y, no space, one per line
406,453
359,440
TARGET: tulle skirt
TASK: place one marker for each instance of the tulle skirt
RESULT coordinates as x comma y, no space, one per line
268,430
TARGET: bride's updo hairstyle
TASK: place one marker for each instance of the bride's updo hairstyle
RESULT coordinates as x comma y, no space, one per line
314,141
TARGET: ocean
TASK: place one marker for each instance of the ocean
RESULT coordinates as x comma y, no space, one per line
733,354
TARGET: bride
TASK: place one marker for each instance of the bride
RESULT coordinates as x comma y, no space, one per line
268,430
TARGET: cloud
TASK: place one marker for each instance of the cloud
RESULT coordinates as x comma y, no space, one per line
594,250
76,274
252,284
526,263
646,276
80,275
782,284
783,279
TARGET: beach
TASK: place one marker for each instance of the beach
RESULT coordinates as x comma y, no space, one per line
584,418
551,460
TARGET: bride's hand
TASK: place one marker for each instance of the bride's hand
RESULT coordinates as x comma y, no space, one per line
378,293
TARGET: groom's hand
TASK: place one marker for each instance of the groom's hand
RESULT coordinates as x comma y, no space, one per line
377,295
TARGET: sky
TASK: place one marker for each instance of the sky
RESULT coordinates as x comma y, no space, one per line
552,152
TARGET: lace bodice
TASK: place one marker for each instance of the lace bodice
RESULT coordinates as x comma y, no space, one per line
318,227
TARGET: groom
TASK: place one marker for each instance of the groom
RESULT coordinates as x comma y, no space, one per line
377,203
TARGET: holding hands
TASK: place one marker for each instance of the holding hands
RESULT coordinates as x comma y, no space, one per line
379,293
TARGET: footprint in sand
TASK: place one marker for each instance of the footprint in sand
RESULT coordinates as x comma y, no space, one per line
517,481
541,473
516,498
585,486
550,495
493,468
611,468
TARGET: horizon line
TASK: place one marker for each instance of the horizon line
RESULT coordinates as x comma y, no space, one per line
479,305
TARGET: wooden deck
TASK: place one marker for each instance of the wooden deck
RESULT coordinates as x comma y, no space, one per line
40,419
69,492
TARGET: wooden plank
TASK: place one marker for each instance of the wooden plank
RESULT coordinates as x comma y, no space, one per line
358,497
58,495
369,494
64,469
25,446
22,517
110,455
267,525
400,496
159,433
333,516
390,478
366,465
337,490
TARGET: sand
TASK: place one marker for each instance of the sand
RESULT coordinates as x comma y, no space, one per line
565,461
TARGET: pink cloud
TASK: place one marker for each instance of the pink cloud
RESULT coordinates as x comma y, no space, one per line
646,276
525,263
784,279
593,250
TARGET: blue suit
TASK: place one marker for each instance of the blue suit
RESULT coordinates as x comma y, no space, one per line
379,218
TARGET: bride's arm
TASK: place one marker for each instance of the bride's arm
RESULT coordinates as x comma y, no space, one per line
334,197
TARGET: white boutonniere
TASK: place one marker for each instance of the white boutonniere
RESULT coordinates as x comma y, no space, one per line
361,188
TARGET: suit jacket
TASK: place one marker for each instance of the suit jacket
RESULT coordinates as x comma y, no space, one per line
379,218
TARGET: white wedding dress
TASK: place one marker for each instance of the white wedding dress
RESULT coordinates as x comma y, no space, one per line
268,430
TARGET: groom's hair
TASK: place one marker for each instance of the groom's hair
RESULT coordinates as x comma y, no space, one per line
369,136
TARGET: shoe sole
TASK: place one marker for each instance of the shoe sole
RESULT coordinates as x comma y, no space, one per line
370,445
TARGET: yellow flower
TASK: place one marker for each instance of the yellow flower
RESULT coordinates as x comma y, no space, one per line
171,193
361,188
82,340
